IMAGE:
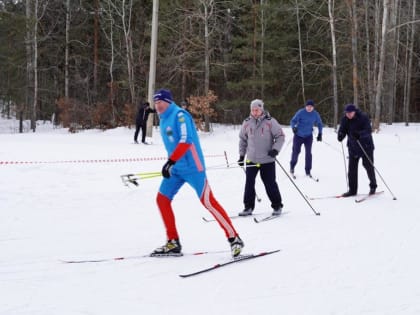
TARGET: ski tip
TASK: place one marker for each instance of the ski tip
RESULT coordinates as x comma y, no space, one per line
270,252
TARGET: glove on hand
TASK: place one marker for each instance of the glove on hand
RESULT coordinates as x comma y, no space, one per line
273,153
340,136
241,161
356,135
294,129
166,169
319,138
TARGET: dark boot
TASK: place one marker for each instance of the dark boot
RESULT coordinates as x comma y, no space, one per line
349,194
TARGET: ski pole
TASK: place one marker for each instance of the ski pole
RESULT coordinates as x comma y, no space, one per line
330,145
345,164
244,169
229,166
133,178
303,196
371,163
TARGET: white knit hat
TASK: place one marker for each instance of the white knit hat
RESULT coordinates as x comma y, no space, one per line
257,103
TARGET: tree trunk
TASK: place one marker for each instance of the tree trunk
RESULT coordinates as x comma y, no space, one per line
126,22
262,49
376,45
29,62
35,68
95,50
334,61
381,65
66,51
370,73
254,48
152,62
300,51
391,64
207,4
354,33
407,96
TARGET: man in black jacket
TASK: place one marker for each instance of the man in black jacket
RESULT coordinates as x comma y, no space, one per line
141,121
357,127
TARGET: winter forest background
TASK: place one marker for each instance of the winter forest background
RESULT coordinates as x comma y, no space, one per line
86,62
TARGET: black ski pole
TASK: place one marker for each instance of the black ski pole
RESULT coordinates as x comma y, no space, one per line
330,145
345,164
244,169
303,196
371,163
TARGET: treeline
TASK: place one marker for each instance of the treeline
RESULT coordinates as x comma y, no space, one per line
86,62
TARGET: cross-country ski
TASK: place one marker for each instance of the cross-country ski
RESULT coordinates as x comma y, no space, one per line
119,258
240,258
368,196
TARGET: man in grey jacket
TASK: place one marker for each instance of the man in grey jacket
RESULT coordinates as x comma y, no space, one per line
260,139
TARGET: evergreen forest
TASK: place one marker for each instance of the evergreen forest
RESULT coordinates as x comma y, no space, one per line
86,63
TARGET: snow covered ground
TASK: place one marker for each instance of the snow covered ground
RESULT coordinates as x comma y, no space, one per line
67,202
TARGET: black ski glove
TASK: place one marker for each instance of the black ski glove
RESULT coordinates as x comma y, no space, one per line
241,161
294,129
340,136
273,153
319,138
166,169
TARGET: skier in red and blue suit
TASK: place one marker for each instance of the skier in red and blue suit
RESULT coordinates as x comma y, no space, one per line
184,165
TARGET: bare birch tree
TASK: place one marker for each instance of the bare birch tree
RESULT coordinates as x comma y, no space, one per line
407,90
381,66
369,71
108,31
95,48
334,60
390,80
354,33
300,50
124,11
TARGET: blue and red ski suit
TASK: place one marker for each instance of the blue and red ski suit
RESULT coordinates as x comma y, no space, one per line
181,141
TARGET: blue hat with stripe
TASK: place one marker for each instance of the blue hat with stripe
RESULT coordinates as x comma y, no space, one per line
163,95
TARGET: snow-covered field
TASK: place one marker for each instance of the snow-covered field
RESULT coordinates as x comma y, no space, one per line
67,202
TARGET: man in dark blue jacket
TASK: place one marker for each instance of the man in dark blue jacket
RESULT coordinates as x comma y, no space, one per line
357,127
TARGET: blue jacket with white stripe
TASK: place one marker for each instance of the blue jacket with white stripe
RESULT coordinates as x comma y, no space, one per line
177,127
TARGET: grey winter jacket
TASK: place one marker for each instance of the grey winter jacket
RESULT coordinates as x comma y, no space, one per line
258,136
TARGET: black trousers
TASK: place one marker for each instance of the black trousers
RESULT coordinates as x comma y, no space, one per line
143,132
353,171
268,177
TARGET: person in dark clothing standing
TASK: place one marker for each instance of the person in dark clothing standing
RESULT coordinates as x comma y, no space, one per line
357,127
141,121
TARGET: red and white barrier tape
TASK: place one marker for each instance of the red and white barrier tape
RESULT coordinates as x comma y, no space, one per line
94,161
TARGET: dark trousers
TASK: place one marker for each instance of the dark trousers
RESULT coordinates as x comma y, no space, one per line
268,177
143,132
297,144
353,171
